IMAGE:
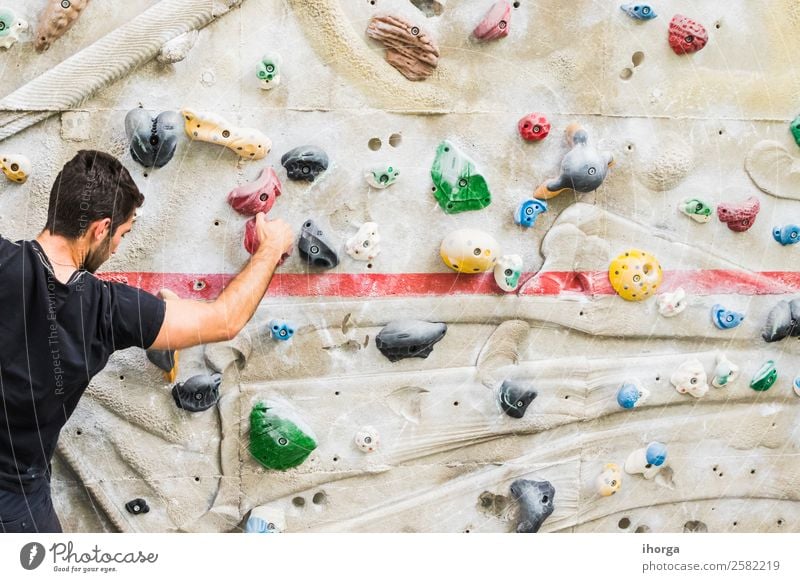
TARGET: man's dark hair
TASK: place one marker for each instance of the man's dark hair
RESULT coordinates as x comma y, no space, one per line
92,186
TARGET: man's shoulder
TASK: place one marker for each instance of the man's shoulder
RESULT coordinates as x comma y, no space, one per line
8,248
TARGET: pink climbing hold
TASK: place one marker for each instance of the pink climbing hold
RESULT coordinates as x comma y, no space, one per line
686,35
534,127
739,217
258,195
251,242
496,22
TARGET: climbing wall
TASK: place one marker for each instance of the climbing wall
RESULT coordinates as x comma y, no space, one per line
711,124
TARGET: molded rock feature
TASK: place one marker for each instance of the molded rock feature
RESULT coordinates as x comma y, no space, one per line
635,275
153,139
382,176
248,143
515,397
690,378
408,49
17,168
258,195
739,217
535,500
367,439
783,321
686,36
632,394
57,18
198,393
470,251
177,49
495,23
796,385
266,519
280,330
269,71
528,211
305,163
10,27
639,11
534,127
765,377
696,209
794,127
724,318
279,438
167,360
137,506
672,303
457,184
507,272
583,169
725,373
787,235
647,461
609,481
364,245
409,338
315,248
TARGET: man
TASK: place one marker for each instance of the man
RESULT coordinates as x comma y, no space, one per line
59,323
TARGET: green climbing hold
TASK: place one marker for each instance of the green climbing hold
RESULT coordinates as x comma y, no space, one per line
279,439
765,377
457,184
795,127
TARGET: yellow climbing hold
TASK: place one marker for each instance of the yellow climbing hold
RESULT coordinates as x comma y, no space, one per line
635,275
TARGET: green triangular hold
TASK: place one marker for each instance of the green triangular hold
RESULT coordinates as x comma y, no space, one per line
279,439
457,184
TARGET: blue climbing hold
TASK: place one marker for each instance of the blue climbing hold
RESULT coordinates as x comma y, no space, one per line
656,453
528,211
724,318
259,525
788,235
631,395
639,11
280,330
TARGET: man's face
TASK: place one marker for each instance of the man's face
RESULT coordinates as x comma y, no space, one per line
101,250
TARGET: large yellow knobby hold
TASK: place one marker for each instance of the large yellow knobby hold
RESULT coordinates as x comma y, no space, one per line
16,167
635,275
248,143
469,251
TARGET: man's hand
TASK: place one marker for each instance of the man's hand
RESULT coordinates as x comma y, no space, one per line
275,237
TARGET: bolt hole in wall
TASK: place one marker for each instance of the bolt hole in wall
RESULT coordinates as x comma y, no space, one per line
375,144
319,498
395,140
624,523
298,501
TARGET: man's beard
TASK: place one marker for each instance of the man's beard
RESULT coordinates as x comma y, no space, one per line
95,258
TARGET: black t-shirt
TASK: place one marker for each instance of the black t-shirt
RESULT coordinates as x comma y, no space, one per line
54,338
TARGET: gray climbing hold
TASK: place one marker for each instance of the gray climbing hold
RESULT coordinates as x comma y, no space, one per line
783,321
198,393
535,503
164,359
409,339
137,506
153,140
515,397
305,163
315,247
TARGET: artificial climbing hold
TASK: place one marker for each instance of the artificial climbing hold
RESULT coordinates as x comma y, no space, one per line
686,36
469,250
315,248
724,318
609,481
367,439
365,244
783,321
796,385
153,139
56,19
281,330
515,397
305,163
167,360
137,506
382,176
647,461
269,71
266,519
247,143
672,303
725,373
635,275
408,48
690,378
495,23
535,500
17,168
788,235
198,393
639,11
409,338
583,168
507,272
10,27
696,209
258,195
251,239
279,438
528,211
739,217
534,127
765,377
632,394
794,127
457,184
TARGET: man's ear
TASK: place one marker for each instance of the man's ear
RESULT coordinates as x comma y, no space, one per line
102,228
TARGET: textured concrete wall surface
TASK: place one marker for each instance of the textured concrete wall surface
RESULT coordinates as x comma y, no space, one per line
713,125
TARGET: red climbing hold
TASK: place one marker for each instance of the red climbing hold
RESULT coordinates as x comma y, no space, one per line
256,196
686,36
739,217
496,22
534,127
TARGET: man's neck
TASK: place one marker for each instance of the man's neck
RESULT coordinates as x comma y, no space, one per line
64,255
